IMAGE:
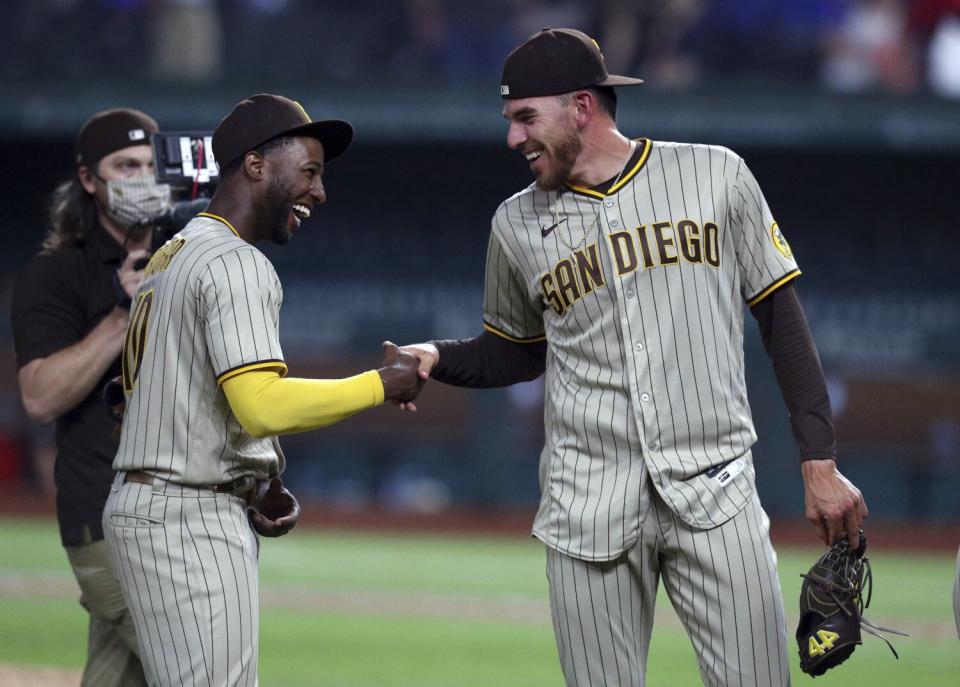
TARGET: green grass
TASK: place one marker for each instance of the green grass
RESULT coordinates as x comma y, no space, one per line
423,610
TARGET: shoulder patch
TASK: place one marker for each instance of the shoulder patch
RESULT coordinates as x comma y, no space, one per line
780,242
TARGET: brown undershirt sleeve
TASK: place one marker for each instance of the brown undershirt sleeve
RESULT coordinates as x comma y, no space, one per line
488,360
789,343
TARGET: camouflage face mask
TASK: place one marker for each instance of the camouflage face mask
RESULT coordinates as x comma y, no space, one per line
136,200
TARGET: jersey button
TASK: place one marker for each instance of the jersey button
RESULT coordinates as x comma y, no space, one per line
638,346
653,446
629,293
614,223
644,397
608,203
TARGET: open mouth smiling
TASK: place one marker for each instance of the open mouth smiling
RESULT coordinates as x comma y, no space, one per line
300,212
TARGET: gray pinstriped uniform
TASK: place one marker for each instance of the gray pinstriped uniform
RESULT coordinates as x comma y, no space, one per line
186,556
639,293
956,595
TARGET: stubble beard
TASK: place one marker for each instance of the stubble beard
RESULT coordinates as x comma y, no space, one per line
564,154
276,212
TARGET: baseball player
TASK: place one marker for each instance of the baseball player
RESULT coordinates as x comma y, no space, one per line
69,315
956,595
623,272
207,394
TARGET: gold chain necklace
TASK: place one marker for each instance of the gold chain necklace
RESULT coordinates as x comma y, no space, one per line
596,219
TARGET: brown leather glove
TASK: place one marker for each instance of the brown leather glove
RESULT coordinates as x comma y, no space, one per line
272,509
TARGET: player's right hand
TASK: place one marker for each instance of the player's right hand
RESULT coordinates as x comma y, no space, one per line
400,373
128,274
427,353
429,356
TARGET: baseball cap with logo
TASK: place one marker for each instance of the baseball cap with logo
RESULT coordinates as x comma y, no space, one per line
264,117
112,130
555,61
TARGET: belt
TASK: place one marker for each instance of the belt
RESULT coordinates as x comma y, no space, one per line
237,487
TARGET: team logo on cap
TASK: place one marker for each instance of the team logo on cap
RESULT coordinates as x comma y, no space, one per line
136,134
302,111
504,89
598,49
779,241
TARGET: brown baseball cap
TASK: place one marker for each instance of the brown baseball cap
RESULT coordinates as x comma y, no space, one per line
263,117
110,130
555,61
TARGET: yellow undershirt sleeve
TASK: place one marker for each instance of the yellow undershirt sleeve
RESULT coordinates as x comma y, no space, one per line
268,405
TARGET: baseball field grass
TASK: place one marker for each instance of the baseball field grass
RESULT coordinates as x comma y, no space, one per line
422,610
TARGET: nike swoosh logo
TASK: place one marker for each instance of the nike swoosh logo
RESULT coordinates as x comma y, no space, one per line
545,231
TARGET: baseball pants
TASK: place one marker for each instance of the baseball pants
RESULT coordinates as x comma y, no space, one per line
112,659
956,596
186,559
722,583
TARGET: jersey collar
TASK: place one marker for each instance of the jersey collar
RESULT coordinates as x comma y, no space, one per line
219,219
636,163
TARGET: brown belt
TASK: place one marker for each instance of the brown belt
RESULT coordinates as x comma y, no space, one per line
237,487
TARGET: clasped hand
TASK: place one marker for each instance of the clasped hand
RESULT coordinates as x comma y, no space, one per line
273,510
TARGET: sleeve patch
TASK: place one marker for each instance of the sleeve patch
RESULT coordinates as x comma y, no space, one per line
779,241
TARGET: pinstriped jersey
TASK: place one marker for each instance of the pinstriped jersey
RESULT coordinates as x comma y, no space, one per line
639,293
207,308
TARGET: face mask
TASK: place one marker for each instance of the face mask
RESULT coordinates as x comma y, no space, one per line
136,200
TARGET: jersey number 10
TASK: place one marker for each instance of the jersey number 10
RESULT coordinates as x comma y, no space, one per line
136,340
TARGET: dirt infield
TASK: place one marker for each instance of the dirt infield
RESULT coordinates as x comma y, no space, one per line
33,676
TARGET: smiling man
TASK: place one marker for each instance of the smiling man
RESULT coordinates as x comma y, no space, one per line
624,272
207,395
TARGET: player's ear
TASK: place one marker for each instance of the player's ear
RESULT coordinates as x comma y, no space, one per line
586,105
254,164
86,178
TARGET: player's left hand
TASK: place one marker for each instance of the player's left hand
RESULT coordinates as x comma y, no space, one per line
833,505
272,509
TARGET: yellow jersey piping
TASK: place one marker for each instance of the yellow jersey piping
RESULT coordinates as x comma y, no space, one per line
647,147
261,365
493,330
219,219
773,287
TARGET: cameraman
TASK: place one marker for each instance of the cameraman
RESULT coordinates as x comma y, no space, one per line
70,312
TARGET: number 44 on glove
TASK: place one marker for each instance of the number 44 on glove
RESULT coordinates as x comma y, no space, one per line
831,608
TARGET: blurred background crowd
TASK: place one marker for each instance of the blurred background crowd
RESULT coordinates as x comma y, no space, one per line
849,46
848,112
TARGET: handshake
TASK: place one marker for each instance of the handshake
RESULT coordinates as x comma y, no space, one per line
404,370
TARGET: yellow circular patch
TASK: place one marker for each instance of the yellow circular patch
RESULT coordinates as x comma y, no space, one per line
779,241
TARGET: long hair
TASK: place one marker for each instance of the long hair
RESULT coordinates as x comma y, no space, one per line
72,216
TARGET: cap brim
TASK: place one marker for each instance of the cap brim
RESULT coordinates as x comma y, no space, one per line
335,135
616,80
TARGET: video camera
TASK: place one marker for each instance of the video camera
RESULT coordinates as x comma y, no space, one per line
184,160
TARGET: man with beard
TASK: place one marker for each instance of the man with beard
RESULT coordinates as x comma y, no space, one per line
623,273
69,313
207,395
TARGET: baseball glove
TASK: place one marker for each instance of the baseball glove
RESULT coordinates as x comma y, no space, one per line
831,608
273,510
